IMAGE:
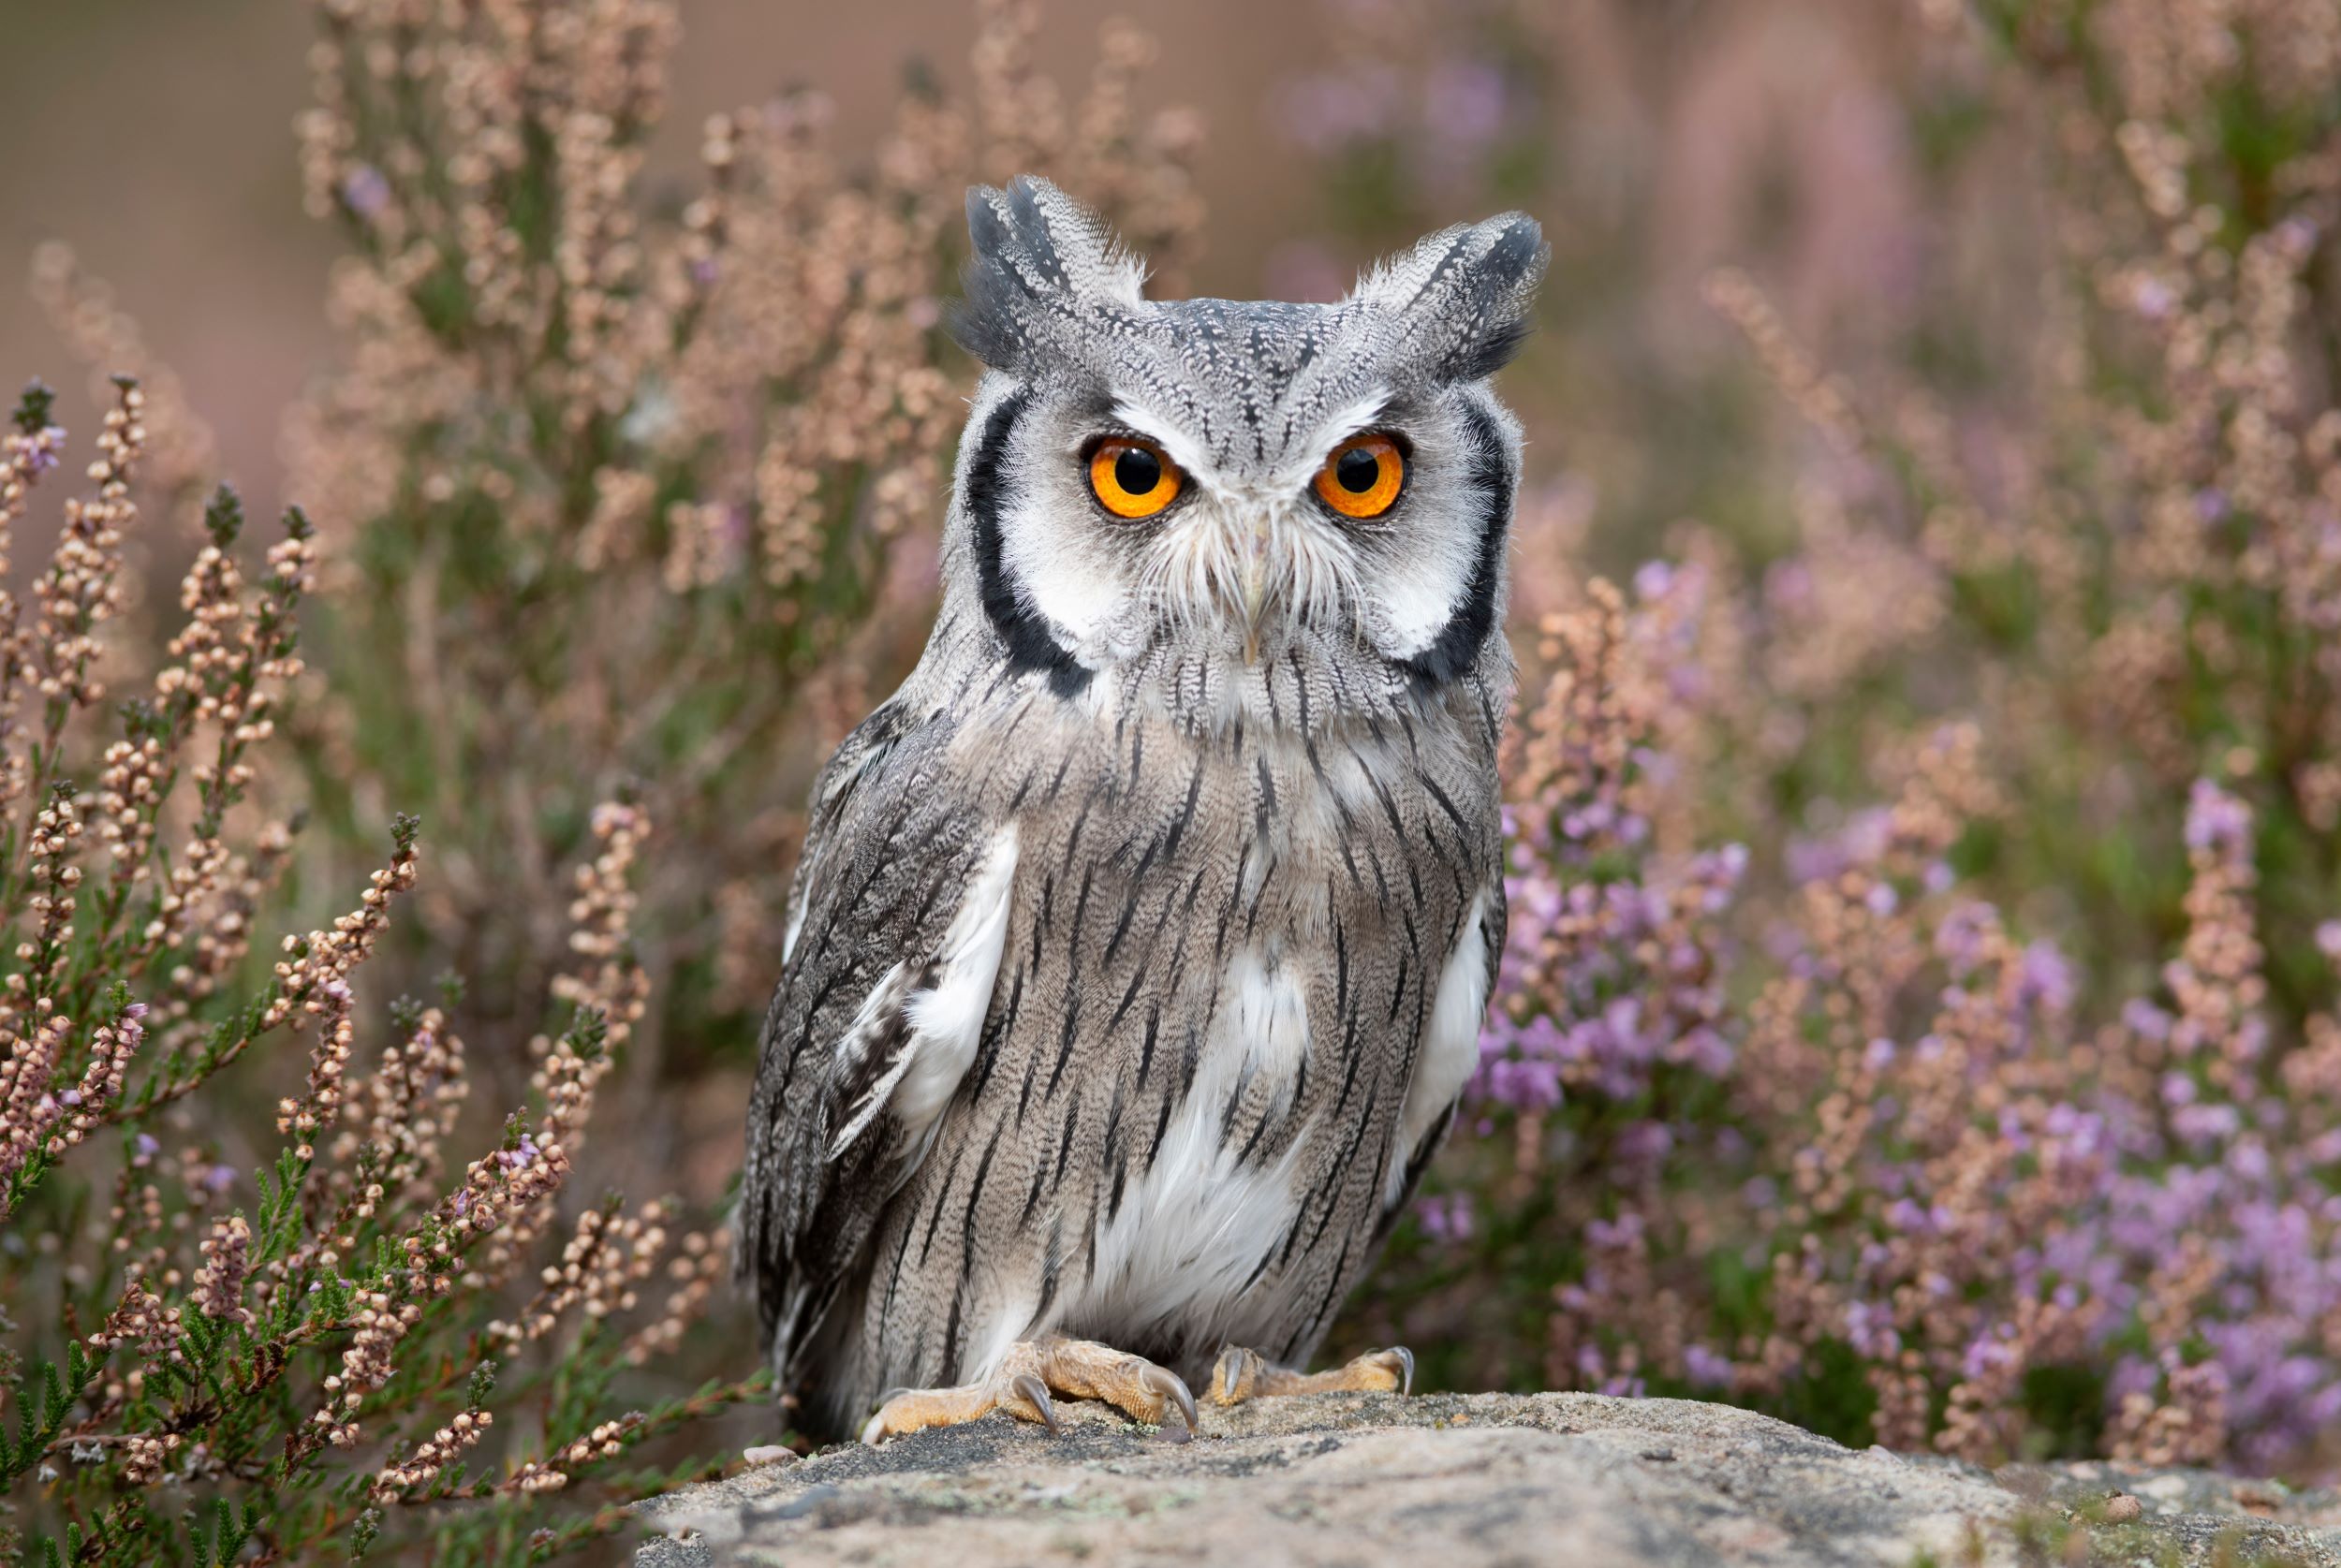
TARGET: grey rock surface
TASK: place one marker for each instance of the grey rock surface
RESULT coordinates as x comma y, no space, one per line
1463,1481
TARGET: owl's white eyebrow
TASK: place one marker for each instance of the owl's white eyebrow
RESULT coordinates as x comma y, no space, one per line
1339,426
1183,451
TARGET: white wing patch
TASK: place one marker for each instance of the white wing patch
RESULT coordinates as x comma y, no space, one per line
947,1022
796,927
1450,1043
947,1018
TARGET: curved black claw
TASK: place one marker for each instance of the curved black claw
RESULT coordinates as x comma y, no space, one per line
1405,1365
1036,1393
1227,1373
1172,1386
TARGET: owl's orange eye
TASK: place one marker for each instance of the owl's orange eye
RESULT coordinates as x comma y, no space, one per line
1362,477
1132,478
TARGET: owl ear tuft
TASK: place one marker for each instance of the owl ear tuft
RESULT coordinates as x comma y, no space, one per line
1037,257
1464,297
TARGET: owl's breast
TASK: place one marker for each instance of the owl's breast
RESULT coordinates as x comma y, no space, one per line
1258,964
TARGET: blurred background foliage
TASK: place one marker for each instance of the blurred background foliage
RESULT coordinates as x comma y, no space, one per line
1918,1019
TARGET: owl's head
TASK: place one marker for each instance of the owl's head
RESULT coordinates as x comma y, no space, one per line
1188,487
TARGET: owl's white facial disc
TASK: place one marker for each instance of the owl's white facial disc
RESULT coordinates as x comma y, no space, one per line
1248,557
1235,420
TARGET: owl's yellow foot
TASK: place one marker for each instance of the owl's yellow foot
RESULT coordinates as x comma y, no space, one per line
1032,1370
1246,1375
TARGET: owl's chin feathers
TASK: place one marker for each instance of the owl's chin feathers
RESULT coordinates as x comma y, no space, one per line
1246,575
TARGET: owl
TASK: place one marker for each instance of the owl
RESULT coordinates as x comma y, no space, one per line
1138,951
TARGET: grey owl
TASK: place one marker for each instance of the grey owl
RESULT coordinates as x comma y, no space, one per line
1139,944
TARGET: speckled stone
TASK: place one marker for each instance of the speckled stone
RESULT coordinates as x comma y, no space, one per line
1456,1481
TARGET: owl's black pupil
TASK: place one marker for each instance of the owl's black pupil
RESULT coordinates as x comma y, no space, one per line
1358,469
1138,471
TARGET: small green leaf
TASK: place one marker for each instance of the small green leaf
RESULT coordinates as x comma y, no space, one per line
362,1534
33,405
222,517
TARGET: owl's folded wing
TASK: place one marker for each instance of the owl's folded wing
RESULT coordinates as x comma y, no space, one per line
900,913
1449,1051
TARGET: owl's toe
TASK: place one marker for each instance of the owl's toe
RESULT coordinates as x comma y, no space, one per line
1235,1377
1243,1374
1397,1362
1024,1381
1130,1383
1021,1394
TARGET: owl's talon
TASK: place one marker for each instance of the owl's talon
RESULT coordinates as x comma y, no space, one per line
1406,1376
1233,1374
1036,1393
1171,1388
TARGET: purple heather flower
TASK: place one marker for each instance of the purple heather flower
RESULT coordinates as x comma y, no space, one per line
1331,111
1703,1368
2153,298
2217,820
1463,103
1447,1217
1645,1143
2297,234
1870,1330
1959,938
2044,978
365,190
1621,1232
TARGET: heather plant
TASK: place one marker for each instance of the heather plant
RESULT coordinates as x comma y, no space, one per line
251,1337
1987,1105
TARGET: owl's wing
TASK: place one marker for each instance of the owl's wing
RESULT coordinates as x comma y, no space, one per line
1449,1053
900,912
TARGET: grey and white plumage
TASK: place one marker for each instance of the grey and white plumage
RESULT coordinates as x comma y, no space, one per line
1139,944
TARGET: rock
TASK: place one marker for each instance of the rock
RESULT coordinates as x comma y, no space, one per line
1463,1481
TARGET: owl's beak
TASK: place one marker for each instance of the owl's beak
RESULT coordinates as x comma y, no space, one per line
1255,589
